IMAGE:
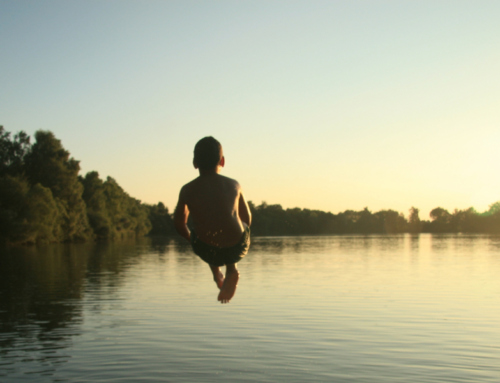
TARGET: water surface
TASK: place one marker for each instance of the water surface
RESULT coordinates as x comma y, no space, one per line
388,308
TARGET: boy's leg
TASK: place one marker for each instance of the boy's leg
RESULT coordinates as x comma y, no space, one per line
230,282
218,276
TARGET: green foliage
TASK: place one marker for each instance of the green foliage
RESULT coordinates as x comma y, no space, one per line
414,224
49,164
494,208
45,215
42,198
96,201
274,220
112,213
442,221
161,220
13,152
127,215
393,222
27,214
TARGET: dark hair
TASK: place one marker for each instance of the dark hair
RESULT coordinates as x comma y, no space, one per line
207,153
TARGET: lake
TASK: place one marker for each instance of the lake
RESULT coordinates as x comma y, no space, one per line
351,308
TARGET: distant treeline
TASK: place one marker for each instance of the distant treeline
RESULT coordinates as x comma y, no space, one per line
274,220
43,199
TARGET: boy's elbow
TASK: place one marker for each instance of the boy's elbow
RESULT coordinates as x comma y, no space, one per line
247,218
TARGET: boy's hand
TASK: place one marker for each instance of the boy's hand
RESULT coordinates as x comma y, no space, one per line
244,211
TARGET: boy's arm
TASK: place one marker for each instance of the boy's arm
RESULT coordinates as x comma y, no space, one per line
244,211
181,215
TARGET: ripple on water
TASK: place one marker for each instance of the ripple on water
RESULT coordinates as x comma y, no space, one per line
342,309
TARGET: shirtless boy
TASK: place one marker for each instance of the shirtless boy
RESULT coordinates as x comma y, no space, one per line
220,215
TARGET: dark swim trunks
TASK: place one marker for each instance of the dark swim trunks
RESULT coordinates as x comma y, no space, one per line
220,256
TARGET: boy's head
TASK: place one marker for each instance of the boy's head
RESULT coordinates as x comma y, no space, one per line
207,153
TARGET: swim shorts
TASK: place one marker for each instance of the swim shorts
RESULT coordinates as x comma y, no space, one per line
220,256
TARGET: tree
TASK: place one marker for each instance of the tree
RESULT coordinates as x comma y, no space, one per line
161,220
95,200
393,221
494,208
42,198
49,164
13,152
27,214
368,222
414,224
441,220
493,218
128,217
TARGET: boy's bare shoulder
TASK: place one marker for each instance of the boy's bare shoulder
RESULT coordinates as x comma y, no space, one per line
187,188
219,178
199,184
230,180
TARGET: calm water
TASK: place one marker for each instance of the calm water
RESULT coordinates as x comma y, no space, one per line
308,309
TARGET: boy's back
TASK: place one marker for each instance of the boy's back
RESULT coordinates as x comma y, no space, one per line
213,202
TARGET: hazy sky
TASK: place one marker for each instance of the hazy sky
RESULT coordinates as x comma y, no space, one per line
328,105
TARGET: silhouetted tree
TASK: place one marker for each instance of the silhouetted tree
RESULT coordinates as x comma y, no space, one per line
369,223
161,220
49,165
97,211
441,221
127,216
492,217
13,152
42,198
27,214
393,222
414,224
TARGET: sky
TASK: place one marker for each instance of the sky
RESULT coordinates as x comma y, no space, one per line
328,105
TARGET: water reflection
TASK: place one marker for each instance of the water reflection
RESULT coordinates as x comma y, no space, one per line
39,306
41,292
279,245
301,299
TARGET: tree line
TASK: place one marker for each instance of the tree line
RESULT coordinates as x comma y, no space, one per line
274,220
44,199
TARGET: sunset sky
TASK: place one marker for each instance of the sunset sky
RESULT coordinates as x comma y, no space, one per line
328,105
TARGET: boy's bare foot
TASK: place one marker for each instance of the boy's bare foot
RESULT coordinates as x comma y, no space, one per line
218,276
229,286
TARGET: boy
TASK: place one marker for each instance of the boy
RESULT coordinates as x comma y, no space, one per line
220,214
